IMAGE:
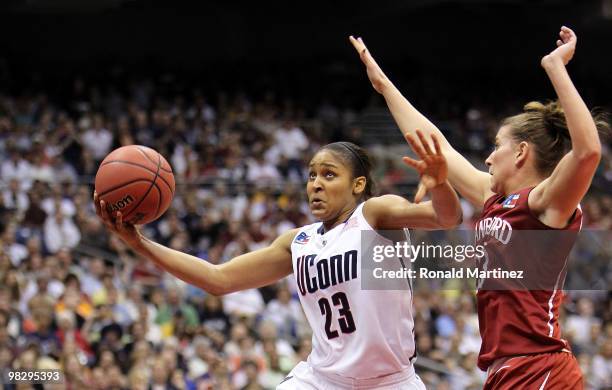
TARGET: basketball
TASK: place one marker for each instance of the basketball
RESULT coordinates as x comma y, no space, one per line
137,181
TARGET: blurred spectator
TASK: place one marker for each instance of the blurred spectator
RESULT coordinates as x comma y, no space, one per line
16,252
60,232
251,376
290,142
212,315
35,216
160,378
40,169
97,139
14,197
91,278
43,333
248,303
174,313
68,332
15,167
602,366
261,172
578,326
286,314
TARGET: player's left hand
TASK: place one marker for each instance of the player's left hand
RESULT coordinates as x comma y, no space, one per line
377,77
432,166
566,46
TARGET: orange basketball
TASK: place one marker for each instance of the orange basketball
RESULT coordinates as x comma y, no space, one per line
137,181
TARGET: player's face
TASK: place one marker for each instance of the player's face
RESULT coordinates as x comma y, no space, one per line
330,186
501,160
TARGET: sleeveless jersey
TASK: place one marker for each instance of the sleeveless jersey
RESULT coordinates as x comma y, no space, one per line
357,333
521,317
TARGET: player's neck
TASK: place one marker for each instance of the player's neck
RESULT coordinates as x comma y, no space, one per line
518,182
341,218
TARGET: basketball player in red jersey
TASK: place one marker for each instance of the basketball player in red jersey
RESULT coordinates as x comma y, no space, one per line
542,166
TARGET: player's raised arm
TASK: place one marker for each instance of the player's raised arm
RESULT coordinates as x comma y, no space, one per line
442,212
557,197
471,183
255,269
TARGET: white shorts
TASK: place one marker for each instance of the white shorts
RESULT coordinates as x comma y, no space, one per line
303,377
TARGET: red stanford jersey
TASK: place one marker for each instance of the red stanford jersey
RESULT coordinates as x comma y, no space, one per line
520,317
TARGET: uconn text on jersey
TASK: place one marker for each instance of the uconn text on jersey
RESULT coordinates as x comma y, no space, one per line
324,273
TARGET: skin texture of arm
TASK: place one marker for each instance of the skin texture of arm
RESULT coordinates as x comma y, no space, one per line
555,199
251,270
395,212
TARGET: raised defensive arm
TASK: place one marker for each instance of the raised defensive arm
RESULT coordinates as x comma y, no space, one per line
556,198
472,184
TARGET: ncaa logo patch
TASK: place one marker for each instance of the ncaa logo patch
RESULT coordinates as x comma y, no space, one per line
510,201
302,238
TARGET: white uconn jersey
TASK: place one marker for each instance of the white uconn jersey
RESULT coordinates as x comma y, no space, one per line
356,333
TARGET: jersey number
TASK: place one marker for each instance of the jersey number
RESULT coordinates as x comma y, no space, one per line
346,322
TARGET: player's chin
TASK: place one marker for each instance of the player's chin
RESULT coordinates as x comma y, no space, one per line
318,213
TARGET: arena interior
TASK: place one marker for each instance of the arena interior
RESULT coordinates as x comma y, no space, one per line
238,97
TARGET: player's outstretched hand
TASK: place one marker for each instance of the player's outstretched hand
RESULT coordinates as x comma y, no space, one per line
375,74
566,46
432,166
126,231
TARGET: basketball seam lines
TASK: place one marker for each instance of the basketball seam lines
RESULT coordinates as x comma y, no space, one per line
121,185
150,159
160,200
143,167
158,204
148,190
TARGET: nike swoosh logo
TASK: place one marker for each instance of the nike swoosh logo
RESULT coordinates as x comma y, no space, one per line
286,379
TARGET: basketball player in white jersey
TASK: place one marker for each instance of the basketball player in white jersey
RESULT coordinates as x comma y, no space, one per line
361,338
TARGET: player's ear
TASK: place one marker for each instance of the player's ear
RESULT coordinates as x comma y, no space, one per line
359,184
521,152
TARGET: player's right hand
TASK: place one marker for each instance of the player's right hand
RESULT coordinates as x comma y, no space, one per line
566,46
432,166
126,231
377,77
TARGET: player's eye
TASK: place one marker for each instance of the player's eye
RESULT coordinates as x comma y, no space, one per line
330,175
312,175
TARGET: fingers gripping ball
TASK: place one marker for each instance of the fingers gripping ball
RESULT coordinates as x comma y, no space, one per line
137,181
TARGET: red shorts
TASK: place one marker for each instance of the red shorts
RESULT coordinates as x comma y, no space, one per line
545,371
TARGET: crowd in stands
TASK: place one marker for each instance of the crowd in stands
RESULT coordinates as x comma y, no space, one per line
75,298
